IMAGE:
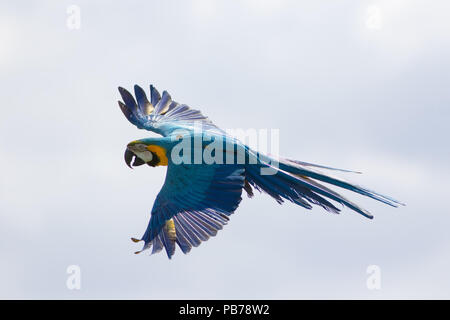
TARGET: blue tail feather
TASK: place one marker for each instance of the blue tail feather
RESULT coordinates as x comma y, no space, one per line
298,182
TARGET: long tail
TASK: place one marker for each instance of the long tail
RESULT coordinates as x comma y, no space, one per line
301,183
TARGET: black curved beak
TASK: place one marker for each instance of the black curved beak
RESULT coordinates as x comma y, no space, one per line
129,156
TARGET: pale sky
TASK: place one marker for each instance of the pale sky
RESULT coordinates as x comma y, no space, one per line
361,85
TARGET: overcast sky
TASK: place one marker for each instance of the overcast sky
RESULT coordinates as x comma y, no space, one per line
362,85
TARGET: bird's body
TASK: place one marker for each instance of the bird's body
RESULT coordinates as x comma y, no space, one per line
207,171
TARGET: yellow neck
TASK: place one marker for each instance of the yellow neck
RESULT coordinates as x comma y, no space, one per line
161,153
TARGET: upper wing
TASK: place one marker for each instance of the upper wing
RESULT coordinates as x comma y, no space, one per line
193,204
161,114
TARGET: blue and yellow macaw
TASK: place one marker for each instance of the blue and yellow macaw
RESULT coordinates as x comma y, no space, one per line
199,195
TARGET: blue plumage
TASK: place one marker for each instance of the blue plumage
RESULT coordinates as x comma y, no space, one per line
197,198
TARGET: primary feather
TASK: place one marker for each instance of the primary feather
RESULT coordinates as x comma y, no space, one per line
162,115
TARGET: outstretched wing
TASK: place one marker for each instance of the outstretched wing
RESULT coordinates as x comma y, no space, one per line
193,204
161,114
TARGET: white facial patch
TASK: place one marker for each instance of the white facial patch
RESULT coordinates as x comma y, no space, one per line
145,156
141,151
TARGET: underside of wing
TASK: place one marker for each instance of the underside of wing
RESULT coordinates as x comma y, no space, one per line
160,114
193,204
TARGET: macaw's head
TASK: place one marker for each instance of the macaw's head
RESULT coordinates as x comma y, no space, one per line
140,152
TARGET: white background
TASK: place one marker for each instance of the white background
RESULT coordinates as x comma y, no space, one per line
344,89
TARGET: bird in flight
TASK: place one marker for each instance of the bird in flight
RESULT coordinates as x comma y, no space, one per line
207,171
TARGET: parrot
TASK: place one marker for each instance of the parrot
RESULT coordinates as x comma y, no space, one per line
201,190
